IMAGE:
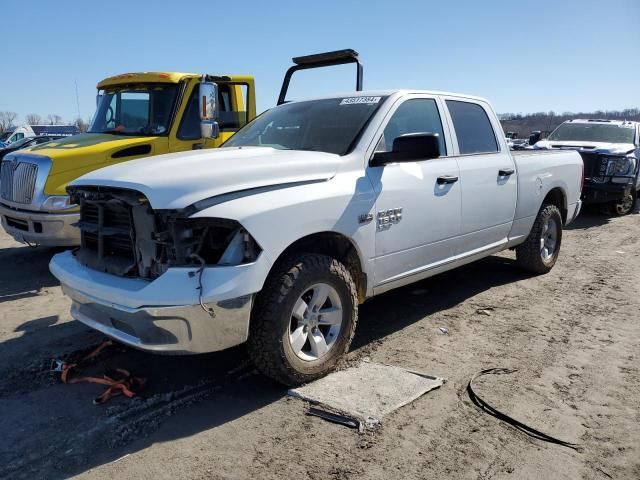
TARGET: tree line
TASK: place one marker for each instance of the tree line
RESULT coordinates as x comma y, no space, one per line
9,120
521,124
546,122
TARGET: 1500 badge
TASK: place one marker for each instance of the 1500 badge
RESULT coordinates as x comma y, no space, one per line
386,218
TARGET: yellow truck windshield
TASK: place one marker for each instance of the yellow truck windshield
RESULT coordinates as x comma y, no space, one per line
135,110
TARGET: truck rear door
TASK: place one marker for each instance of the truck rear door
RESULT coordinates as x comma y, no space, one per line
488,175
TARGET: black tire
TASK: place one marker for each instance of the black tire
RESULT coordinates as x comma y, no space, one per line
268,344
529,254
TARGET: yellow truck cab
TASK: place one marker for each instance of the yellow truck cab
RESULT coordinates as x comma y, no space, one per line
137,115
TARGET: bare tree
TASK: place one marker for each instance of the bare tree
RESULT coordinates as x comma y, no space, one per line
54,119
6,120
33,119
82,124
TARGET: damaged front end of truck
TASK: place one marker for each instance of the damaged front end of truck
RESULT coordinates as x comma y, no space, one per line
122,235
610,179
159,280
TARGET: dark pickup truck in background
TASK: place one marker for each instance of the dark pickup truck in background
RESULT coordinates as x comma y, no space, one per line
610,150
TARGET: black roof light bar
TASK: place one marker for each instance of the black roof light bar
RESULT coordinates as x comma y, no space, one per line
318,60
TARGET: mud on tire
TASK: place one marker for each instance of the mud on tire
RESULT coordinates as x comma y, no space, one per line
269,344
529,255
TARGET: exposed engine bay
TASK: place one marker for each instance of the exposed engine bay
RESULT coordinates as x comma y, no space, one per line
122,235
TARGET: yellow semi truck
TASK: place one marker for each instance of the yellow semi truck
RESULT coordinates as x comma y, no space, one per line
137,115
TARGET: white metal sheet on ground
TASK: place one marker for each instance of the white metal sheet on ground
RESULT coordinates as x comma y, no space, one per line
366,393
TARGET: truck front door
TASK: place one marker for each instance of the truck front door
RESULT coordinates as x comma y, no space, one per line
232,116
417,214
487,173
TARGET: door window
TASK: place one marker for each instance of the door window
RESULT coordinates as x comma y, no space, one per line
228,118
473,128
418,115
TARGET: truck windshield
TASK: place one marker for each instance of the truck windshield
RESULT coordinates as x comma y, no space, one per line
593,132
22,142
135,110
329,125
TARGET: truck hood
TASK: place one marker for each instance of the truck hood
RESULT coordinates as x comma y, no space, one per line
98,145
596,147
74,156
177,180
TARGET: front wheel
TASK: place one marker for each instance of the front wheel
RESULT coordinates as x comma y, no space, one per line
303,319
624,206
540,250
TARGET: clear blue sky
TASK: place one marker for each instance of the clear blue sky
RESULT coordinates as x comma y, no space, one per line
524,56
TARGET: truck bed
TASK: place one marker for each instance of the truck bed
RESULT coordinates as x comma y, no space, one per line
525,153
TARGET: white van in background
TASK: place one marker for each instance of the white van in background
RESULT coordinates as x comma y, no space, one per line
26,131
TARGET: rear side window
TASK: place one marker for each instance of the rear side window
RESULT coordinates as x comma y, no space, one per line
473,128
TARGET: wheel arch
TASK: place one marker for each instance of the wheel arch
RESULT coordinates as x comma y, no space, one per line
336,245
558,197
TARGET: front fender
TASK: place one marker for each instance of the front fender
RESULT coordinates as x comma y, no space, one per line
277,219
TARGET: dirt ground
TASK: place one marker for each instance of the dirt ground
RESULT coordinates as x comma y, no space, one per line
573,335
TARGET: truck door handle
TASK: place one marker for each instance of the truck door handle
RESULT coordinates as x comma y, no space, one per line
505,172
444,179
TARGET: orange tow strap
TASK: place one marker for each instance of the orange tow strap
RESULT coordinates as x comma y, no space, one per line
120,382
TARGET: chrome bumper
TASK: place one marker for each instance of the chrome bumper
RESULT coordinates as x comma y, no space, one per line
41,228
182,329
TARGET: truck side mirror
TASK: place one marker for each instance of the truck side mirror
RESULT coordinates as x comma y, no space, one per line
207,101
410,147
534,137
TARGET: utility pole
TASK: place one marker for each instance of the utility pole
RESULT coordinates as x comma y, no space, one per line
77,99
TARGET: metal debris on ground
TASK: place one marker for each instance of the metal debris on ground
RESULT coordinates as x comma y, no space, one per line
361,396
443,330
484,311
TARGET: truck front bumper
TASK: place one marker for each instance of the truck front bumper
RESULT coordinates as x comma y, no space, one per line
41,228
164,315
183,329
594,192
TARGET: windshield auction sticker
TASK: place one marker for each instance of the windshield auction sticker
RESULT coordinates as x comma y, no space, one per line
357,100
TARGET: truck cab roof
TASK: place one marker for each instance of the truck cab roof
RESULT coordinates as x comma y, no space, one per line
601,121
392,92
163,77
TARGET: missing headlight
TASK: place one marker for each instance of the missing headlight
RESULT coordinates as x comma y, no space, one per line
216,241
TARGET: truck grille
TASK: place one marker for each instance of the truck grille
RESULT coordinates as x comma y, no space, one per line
108,238
595,166
18,181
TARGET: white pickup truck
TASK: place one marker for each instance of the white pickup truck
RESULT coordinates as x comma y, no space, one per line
309,210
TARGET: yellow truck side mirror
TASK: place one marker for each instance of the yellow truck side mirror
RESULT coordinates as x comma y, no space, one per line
208,99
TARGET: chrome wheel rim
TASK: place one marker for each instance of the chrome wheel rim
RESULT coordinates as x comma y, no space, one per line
316,321
626,205
549,239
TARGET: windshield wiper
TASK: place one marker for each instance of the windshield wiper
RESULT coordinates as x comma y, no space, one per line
112,131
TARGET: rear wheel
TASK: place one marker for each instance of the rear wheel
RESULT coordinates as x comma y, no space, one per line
304,319
540,250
